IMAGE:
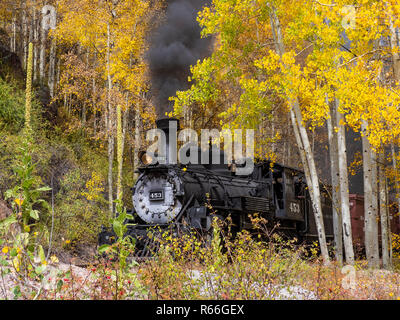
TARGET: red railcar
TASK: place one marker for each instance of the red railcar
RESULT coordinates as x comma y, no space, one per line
357,220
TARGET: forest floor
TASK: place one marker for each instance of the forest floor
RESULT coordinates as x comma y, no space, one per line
72,277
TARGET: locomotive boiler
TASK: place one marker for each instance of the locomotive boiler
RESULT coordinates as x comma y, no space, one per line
179,197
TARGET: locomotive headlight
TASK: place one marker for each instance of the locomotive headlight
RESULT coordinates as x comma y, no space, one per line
145,158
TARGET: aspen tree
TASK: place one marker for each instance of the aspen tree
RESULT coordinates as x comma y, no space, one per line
43,26
13,38
304,148
336,205
370,214
52,66
24,24
116,32
137,141
394,40
344,187
383,210
35,40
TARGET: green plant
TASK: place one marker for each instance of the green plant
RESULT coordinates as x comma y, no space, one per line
26,194
11,106
124,244
24,253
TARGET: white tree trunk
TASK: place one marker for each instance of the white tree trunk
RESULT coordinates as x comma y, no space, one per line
137,141
124,127
30,29
336,206
13,44
273,132
313,180
188,117
58,71
395,53
383,212
24,36
93,106
370,222
35,28
42,51
375,225
52,67
344,187
110,154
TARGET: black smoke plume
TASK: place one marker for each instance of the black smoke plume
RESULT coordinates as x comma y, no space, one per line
175,46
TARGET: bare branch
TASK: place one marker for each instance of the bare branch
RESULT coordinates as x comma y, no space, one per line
324,4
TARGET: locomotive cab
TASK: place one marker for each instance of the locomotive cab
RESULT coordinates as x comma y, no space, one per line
287,188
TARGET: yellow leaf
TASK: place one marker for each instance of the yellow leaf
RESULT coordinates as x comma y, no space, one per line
54,259
19,202
16,263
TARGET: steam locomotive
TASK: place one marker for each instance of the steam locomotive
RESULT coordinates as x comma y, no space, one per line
178,197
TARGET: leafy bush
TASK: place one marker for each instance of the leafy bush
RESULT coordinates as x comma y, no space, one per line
26,254
396,245
246,267
80,209
12,106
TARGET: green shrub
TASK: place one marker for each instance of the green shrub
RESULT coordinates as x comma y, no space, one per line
80,209
12,106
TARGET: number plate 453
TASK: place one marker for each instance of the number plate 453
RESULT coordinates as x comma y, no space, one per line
294,208
156,195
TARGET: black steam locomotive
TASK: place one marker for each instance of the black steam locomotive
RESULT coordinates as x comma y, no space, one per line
177,196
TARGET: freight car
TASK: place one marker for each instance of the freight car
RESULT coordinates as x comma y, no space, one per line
177,197
357,222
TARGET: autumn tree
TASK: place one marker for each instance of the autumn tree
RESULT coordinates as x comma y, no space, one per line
115,32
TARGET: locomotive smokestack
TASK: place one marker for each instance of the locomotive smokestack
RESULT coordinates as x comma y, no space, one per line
170,127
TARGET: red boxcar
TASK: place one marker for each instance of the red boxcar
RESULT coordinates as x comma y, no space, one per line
357,220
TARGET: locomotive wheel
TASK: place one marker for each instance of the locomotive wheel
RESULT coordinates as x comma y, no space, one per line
145,246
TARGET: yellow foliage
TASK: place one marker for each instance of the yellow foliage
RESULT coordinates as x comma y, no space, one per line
119,28
94,188
317,64
396,245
